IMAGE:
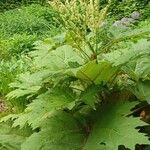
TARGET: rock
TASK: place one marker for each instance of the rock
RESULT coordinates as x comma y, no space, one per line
127,21
117,24
135,15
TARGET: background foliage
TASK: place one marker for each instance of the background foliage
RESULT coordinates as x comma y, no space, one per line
126,7
11,4
20,28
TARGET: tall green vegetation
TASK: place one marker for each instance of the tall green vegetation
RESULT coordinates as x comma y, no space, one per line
19,29
86,88
121,8
11,4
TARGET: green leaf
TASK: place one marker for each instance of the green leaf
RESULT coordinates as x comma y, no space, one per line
96,72
60,132
90,96
43,106
11,138
123,56
42,47
53,64
142,69
27,84
122,33
57,60
138,68
114,128
142,90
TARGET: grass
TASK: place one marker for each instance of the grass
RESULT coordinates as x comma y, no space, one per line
20,28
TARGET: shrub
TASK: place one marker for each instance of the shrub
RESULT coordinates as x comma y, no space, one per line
120,8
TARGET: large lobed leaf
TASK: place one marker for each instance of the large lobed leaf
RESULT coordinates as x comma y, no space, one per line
12,138
58,59
90,96
28,84
52,64
123,56
60,132
142,69
114,128
121,33
42,107
96,73
142,90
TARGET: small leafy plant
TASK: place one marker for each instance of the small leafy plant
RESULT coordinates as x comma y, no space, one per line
85,87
